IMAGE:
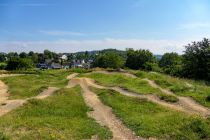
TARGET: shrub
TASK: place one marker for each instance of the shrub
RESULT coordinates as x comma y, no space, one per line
168,98
208,98
3,66
19,64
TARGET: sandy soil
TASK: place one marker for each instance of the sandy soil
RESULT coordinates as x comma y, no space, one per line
10,75
8,105
124,73
102,113
186,102
46,93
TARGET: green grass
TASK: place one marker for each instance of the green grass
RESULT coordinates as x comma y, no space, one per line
132,84
60,116
198,90
32,84
147,119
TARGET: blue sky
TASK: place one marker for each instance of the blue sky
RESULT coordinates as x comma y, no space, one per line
75,25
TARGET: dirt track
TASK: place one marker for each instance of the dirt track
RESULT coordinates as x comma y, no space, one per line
9,105
10,75
186,104
102,113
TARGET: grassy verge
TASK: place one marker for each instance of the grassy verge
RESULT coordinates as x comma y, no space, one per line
30,85
132,84
147,119
61,116
198,90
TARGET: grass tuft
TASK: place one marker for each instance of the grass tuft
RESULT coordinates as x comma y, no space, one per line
168,98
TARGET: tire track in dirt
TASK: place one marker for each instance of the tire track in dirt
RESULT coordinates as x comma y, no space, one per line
153,98
10,75
102,113
185,102
189,104
7,105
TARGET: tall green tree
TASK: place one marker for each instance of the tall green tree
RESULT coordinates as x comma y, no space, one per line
108,60
139,59
197,60
19,64
171,63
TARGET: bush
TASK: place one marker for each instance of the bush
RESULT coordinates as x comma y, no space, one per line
168,98
152,67
19,64
201,128
208,98
109,60
3,66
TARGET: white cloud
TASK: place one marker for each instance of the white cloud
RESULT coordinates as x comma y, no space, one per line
190,26
156,46
61,33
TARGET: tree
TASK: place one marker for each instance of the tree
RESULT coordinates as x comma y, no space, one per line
19,64
171,63
23,55
48,54
2,57
138,59
196,60
108,60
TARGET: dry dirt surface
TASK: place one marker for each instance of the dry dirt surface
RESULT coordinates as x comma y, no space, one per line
7,105
102,113
186,102
3,92
46,93
124,73
10,75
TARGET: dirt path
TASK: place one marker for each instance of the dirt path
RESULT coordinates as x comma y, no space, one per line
46,93
69,78
102,113
186,102
8,105
124,73
10,75
3,92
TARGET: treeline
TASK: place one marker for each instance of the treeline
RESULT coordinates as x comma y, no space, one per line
194,63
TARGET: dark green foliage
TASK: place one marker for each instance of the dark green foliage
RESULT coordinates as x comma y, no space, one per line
171,63
19,64
138,59
3,66
108,60
2,57
23,55
3,137
199,127
168,98
149,66
197,60
79,70
208,98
